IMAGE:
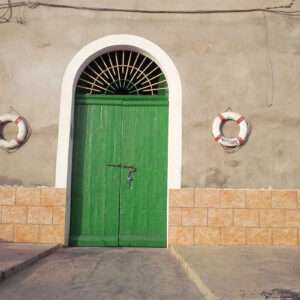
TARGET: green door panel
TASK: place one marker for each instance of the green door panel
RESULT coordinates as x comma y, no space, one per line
143,201
95,187
107,209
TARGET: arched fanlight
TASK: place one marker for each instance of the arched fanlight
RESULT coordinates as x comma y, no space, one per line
122,72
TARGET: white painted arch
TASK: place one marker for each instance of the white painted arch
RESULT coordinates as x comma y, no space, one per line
71,75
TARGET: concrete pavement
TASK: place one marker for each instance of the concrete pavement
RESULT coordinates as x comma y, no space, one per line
237,272
16,256
228,272
102,273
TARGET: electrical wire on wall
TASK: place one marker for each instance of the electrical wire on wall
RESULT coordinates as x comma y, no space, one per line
7,15
270,93
4,18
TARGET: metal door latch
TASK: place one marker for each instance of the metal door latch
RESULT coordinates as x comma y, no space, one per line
129,177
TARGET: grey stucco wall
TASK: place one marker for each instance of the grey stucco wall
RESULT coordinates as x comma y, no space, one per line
224,60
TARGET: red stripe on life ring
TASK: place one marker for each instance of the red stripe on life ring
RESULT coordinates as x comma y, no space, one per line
18,141
221,117
241,141
241,119
218,137
18,120
1,123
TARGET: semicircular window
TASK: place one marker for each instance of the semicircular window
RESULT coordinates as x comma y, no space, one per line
122,72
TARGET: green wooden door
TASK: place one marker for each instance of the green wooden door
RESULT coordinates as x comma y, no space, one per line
106,208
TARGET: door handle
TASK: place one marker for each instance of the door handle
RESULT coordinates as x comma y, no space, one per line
133,169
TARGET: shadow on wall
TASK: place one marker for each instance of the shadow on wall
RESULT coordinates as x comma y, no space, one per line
4,241
282,294
216,178
4,180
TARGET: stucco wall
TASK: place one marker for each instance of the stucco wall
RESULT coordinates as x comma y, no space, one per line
242,61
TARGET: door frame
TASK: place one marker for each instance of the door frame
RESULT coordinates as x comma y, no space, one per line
66,116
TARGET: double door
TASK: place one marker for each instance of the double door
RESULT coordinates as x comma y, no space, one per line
119,171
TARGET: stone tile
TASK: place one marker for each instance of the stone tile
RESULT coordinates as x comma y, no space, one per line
53,197
7,195
233,199
258,199
285,236
245,217
174,216
272,217
182,198
59,215
26,233
220,217
194,216
46,217
181,235
207,198
210,236
233,236
14,214
39,215
6,232
259,236
28,196
34,215
284,199
51,234
292,218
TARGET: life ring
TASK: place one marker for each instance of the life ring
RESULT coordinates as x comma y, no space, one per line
216,129
22,133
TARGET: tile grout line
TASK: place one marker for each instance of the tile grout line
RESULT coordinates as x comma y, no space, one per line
194,193
13,225
233,216
221,240
40,220
272,239
272,227
181,216
193,236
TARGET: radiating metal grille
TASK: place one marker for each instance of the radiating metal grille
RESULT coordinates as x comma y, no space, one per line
122,73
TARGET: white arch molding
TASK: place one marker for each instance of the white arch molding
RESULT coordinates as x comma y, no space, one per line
71,75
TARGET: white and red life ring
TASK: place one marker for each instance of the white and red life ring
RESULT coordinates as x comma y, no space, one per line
216,129
22,133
